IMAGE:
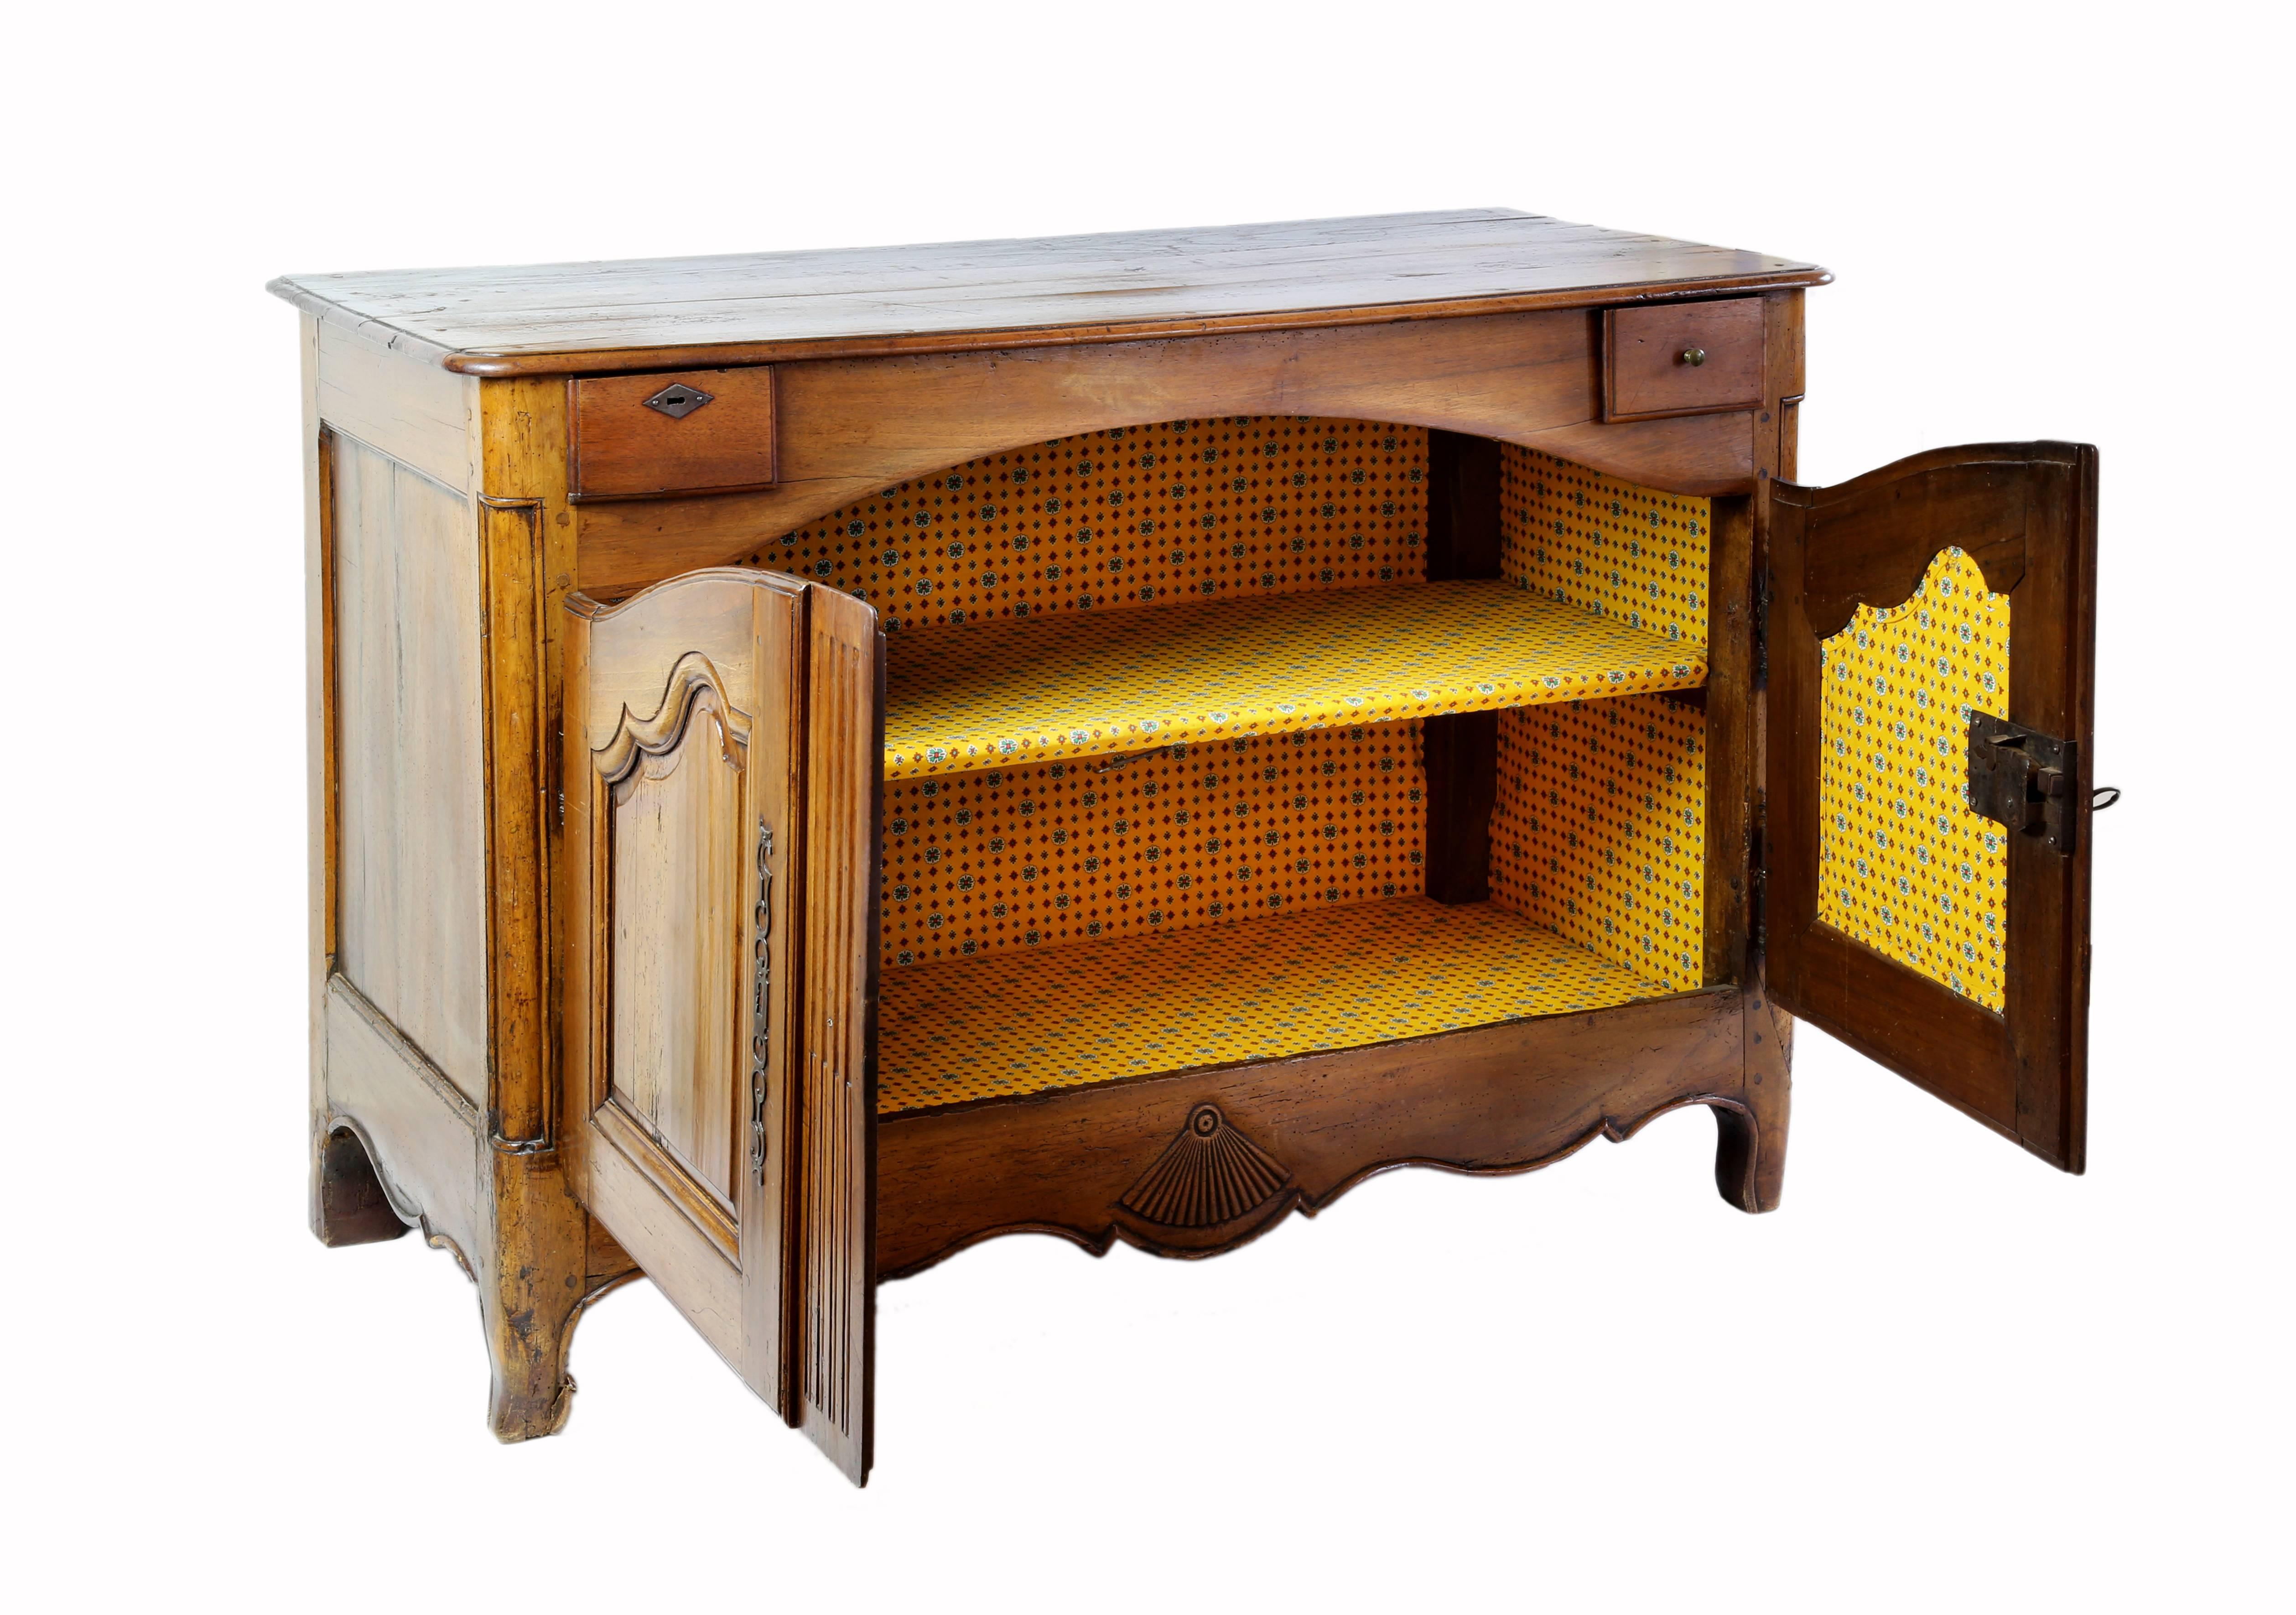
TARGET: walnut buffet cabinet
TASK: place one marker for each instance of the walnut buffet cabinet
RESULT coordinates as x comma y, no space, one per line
818,759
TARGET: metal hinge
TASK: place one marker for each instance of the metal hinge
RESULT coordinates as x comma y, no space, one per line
2025,779
1762,630
1757,867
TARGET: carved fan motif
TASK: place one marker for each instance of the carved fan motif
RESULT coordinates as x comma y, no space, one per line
1209,1174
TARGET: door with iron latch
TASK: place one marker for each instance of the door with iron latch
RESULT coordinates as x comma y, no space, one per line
1930,634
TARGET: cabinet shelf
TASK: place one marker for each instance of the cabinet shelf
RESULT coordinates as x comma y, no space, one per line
1006,1024
1098,684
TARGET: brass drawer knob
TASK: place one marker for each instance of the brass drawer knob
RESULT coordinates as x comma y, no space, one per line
1694,356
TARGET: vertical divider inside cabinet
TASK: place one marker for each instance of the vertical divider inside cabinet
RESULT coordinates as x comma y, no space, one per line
1460,749
1731,693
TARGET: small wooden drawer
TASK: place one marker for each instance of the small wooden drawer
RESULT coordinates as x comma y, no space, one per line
695,431
1681,358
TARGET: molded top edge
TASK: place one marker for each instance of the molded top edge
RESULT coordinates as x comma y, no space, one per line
757,308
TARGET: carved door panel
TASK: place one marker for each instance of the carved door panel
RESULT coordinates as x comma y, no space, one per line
721,757
1930,636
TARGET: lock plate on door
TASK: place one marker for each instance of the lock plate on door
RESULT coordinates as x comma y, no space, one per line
2025,779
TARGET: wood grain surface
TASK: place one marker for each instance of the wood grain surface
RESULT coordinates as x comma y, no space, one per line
837,1090
1496,1098
2027,514
415,413
748,1170
410,798
667,1020
850,427
624,447
751,308
677,846
1648,371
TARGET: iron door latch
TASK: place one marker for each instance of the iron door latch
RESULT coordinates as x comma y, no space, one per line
2025,779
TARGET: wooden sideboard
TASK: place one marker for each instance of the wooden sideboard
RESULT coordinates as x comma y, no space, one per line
818,759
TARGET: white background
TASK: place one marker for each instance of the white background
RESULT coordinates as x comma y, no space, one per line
1943,1376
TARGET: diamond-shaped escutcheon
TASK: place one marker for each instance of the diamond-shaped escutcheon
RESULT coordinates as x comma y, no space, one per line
677,400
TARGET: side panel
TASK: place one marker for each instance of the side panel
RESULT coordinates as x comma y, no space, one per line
1947,946
430,705
415,412
318,761
424,1138
837,1098
410,858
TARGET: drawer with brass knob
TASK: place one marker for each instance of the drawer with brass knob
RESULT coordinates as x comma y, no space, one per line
1681,358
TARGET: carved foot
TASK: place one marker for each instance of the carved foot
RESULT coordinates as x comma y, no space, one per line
1750,1160
532,1393
530,1316
349,1206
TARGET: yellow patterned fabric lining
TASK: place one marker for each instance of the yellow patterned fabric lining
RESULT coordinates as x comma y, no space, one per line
1104,684
1120,840
1180,836
1632,553
1904,865
1140,516
1600,830
1065,1018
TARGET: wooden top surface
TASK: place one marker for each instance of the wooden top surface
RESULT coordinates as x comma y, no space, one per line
756,306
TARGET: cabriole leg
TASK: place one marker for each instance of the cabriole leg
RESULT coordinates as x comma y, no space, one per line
531,1393
550,1262
1750,1160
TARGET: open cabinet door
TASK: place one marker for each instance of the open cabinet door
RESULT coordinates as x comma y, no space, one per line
836,1333
720,768
1930,637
